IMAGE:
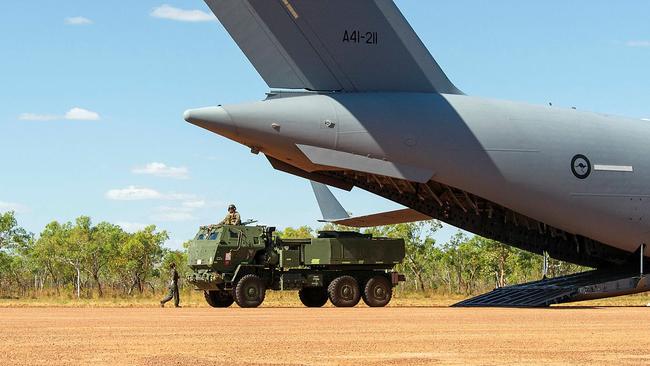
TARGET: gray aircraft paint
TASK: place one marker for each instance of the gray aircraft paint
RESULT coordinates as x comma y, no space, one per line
333,212
289,53
329,205
516,155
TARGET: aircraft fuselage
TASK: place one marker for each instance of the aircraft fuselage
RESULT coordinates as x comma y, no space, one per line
582,173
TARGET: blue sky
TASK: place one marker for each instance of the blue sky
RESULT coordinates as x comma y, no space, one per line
92,95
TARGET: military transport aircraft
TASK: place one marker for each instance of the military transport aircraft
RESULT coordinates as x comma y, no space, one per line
358,101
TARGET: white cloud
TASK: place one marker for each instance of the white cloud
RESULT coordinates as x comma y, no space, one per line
16,207
80,114
131,227
645,119
78,21
638,43
194,204
162,170
169,12
174,214
74,114
37,117
183,210
179,196
133,193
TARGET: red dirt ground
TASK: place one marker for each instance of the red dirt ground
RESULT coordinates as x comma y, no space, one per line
327,336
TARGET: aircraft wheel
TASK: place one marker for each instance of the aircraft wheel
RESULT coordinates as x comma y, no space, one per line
218,299
250,291
344,292
378,292
313,297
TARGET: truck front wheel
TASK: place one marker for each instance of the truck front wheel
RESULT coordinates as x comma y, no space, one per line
313,297
377,292
344,292
250,291
219,299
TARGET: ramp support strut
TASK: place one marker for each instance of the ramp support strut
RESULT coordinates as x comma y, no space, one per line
642,251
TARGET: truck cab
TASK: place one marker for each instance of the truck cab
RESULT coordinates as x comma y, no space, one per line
217,250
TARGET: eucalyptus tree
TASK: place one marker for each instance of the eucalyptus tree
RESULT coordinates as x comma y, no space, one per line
102,248
11,235
141,254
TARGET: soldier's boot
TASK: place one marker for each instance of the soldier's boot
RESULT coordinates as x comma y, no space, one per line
170,295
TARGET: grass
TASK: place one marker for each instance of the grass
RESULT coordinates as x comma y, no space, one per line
194,299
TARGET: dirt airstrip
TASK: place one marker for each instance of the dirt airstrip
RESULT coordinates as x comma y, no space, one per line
328,336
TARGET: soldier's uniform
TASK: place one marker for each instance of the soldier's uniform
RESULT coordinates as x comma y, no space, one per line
232,218
173,289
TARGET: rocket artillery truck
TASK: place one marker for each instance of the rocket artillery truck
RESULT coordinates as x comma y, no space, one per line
240,263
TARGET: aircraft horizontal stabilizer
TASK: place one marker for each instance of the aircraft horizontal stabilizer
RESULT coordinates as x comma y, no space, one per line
384,218
334,213
332,45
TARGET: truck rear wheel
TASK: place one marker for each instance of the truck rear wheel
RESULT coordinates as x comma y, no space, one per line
378,292
250,291
313,297
218,299
344,292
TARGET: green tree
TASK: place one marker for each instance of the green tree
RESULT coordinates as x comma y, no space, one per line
141,253
421,253
14,273
11,235
500,259
49,251
299,233
463,263
449,263
101,249
76,246
14,266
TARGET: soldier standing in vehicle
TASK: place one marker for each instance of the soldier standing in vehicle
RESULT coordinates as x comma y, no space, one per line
232,218
173,288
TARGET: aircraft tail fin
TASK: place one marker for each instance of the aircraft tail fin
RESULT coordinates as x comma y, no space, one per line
330,207
332,45
334,213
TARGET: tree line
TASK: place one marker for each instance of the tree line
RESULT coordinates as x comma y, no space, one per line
85,260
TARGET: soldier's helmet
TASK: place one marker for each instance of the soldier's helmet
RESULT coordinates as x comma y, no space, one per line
232,207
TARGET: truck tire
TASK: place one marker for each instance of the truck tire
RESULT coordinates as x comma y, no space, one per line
313,297
250,291
344,292
218,299
378,292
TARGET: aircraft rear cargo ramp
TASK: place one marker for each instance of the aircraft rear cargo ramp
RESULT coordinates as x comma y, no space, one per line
578,287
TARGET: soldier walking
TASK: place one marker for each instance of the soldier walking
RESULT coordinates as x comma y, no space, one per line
173,288
232,218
